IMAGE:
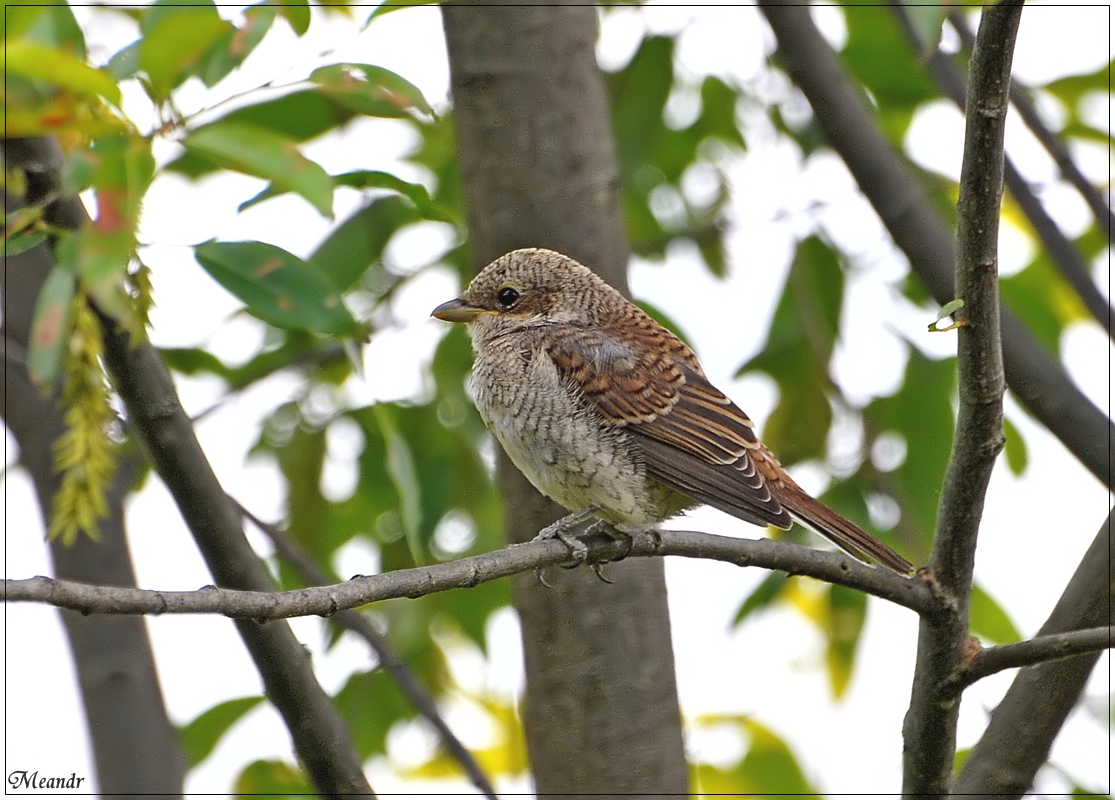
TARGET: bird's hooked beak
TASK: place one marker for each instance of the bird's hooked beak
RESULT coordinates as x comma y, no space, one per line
456,310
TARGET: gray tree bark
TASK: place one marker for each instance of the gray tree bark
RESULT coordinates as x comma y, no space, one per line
539,169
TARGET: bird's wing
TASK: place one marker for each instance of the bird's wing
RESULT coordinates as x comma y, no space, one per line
694,439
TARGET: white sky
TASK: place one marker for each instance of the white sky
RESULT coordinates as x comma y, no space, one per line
771,667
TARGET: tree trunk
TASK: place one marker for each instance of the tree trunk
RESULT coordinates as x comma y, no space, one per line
539,169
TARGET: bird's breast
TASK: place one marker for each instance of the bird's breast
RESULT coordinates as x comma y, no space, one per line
556,440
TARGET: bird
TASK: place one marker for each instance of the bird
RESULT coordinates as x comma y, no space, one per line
610,414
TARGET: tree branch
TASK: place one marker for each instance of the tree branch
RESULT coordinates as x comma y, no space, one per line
320,737
914,593
160,424
929,730
398,669
1038,650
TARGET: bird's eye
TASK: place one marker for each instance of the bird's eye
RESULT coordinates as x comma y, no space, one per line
507,296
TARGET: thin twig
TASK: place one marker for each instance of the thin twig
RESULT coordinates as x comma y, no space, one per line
914,593
398,669
1038,650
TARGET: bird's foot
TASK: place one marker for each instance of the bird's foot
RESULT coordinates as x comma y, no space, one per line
560,531
617,533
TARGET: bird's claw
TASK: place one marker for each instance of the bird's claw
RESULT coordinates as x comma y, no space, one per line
598,568
541,576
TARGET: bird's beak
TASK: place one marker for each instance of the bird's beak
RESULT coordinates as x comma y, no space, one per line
456,310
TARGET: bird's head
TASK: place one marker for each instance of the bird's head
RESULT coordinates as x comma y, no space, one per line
531,288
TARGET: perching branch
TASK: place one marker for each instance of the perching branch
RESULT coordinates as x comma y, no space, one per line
1038,650
914,593
398,669
929,730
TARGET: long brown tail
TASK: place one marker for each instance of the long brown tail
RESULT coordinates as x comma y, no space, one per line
842,532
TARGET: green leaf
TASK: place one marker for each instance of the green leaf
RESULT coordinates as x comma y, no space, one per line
295,12
260,152
51,24
1041,296
176,43
927,20
302,461
357,244
797,353
770,767
921,413
23,241
162,11
120,167
370,90
278,287
847,611
387,6
400,466
200,736
125,63
762,596
990,621
370,704
275,779
40,63
192,361
414,192
298,116
23,229
1015,450
51,326
236,44
879,53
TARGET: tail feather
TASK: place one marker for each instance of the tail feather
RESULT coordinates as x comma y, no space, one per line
843,532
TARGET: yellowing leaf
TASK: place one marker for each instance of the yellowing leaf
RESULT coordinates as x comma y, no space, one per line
59,68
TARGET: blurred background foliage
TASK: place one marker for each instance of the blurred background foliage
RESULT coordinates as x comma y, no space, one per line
425,491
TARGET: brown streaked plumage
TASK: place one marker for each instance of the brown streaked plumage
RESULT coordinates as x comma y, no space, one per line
600,406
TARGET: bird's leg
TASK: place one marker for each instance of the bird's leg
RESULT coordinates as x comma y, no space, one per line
560,531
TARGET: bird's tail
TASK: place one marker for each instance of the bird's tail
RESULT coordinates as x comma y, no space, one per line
843,532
